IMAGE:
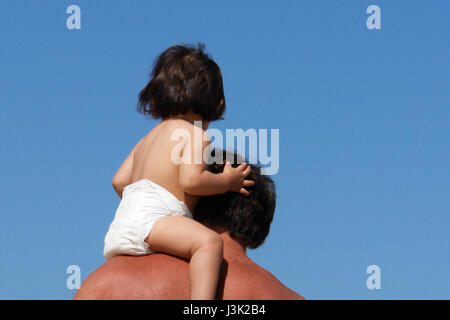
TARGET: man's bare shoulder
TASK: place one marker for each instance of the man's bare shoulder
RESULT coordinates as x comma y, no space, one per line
160,276
130,277
260,284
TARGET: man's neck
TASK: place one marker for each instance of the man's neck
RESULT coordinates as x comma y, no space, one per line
232,247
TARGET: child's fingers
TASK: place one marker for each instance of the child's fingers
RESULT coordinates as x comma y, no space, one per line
242,166
248,183
247,171
227,165
244,192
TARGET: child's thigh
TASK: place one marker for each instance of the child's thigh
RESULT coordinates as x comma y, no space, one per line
179,236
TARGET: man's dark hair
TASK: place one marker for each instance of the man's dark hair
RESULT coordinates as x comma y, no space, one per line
184,78
247,218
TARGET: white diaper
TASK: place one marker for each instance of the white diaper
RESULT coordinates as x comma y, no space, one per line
143,203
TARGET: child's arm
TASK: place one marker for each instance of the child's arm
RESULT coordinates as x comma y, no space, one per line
195,178
122,178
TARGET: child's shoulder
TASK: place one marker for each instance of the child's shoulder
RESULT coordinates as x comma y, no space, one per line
175,129
174,124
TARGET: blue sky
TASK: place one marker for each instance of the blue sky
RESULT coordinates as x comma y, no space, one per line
363,118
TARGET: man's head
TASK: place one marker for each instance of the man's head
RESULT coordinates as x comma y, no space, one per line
247,218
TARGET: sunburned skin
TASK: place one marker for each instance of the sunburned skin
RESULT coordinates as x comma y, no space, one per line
165,277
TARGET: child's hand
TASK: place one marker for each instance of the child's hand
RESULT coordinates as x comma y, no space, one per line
237,177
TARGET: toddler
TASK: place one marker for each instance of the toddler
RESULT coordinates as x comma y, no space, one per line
163,177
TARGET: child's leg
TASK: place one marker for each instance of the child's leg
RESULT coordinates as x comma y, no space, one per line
187,238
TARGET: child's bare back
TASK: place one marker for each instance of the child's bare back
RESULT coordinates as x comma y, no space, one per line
153,158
